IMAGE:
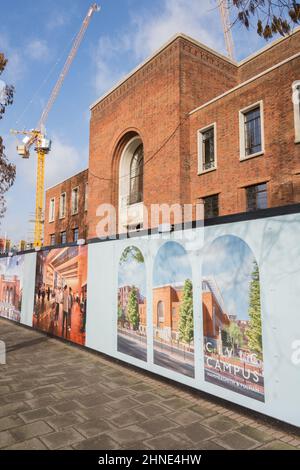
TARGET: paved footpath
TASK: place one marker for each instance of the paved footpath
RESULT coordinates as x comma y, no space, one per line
57,396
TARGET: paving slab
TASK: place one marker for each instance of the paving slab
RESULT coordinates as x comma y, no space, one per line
56,396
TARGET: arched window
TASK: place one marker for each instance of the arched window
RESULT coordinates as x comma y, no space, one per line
160,313
136,176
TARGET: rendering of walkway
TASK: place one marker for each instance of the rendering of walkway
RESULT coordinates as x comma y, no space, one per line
58,396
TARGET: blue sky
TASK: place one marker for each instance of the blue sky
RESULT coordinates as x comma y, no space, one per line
231,269
36,37
171,265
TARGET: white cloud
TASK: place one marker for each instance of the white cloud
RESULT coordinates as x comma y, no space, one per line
199,20
15,68
58,19
63,161
108,70
37,49
148,32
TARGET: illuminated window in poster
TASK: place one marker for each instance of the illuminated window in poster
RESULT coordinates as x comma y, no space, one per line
233,351
60,303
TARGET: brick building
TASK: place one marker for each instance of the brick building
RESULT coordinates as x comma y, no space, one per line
66,210
191,125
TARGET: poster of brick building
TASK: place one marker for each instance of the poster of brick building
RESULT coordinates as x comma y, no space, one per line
233,352
173,321
11,286
132,311
61,292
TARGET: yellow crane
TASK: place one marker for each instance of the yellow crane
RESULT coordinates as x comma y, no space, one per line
37,136
224,12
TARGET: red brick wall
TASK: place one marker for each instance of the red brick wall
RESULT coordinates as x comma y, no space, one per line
280,163
277,52
70,221
153,103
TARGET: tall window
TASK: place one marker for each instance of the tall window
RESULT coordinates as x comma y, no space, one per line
62,205
296,103
75,197
160,313
52,239
256,197
52,210
75,234
136,176
207,149
211,206
251,131
63,237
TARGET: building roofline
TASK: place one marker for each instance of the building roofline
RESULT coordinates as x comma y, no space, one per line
250,80
66,179
156,53
268,47
202,46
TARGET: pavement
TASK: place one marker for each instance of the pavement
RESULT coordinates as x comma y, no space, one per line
57,396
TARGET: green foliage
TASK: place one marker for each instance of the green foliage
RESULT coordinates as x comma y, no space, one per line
272,16
133,309
235,335
254,331
7,170
132,252
120,312
186,315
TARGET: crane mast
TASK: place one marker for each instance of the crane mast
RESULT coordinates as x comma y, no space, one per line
37,136
224,12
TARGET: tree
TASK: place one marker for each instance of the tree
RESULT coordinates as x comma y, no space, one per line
271,16
186,315
133,252
254,330
7,170
235,335
133,309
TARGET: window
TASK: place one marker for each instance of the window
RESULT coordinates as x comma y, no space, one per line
251,131
296,102
160,313
86,195
211,206
207,149
75,234
136,176
75,194
52,210
63,237
62,205
256,197
52,239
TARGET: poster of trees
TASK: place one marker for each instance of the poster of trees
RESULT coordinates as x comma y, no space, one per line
173,319
233,350
132,310
11,286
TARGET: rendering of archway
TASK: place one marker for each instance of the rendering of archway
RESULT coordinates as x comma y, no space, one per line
232,326
132,304
173,319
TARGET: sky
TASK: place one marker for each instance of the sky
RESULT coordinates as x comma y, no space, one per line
231,270
36,36
171,265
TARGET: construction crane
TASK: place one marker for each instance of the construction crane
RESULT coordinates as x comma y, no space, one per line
37,136
224,12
